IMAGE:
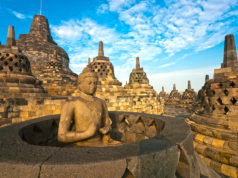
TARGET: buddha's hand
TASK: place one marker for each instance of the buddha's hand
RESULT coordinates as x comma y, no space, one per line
105,130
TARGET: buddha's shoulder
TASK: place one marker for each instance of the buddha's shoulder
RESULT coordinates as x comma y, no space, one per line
73,100
99,100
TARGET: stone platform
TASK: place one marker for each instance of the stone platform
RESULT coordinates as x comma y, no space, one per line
172,111
165,151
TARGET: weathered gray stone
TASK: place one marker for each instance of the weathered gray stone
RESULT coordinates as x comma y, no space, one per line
154,157
11,37
230,55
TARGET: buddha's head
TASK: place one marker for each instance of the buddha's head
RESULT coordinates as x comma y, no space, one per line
87,81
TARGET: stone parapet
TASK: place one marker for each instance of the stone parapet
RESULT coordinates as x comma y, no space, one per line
151,146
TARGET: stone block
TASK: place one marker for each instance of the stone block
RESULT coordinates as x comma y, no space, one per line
218,143
229,171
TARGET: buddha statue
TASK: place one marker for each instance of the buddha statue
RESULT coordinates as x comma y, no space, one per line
84,117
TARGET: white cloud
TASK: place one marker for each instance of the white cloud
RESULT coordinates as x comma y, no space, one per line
188,24
103,8
85,29
116,5
19,15
167,65
70,30
191,25
83,36
122,72
77,68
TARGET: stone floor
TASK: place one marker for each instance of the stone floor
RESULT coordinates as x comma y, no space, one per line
173,111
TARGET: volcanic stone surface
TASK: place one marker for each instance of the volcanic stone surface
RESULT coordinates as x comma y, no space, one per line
145,98
164,95
215,123
167,152
174,97
136,96
104,68
189,98
40,48
21,94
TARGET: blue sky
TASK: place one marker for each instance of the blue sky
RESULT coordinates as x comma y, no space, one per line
176,40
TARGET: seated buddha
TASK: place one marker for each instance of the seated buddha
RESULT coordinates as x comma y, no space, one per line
84,118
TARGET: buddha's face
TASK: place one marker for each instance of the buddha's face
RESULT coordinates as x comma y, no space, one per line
88,85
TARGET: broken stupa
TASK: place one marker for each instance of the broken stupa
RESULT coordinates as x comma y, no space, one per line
45,56
215,123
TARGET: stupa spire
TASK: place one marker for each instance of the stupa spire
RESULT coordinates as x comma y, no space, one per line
189,85
100,49
230,55
40,28
137,62
11,37
206,78
174,86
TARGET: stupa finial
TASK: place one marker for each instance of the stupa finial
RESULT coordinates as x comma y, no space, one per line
100,49
230,55
11,37
174,86
137,62
189,85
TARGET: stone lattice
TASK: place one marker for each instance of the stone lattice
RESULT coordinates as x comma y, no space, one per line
55,80
215,123
39,46
144,97
136,96
108,87
22,96
138,75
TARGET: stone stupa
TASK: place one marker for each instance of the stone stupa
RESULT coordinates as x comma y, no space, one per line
189,97
39,46
22,96
144,97
104,68
215,123
108,87
164,95
136,96
174,96
55,80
